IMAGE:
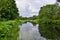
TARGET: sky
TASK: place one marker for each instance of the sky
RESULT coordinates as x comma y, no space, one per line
28,8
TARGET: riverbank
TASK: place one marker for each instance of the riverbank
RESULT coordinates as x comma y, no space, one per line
9,30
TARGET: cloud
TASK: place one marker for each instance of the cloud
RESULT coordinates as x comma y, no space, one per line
29,8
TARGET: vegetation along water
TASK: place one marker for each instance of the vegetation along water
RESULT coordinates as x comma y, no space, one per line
15,27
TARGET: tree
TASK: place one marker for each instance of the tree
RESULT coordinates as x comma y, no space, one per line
49,12
8,9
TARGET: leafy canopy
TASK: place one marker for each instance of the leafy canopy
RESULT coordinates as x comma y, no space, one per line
8,9
49,12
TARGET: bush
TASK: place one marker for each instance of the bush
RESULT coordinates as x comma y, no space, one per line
9,30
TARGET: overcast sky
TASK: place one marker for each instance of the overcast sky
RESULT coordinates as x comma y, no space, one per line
28,8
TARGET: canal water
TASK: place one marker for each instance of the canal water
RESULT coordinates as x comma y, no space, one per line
33,31
28,31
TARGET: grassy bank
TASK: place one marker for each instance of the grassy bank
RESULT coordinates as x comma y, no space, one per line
9,30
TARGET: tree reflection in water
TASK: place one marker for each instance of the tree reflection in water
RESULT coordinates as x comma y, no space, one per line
50,31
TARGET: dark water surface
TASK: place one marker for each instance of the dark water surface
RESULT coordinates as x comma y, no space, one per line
28,31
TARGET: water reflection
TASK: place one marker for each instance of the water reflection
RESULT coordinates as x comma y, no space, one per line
50,31
33,31
28,31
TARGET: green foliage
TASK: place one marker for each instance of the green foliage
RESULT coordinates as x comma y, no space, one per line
9,30
50,12
23,18
49,22
33,17
8,10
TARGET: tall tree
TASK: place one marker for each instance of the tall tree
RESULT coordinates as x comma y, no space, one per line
49,12
8,9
